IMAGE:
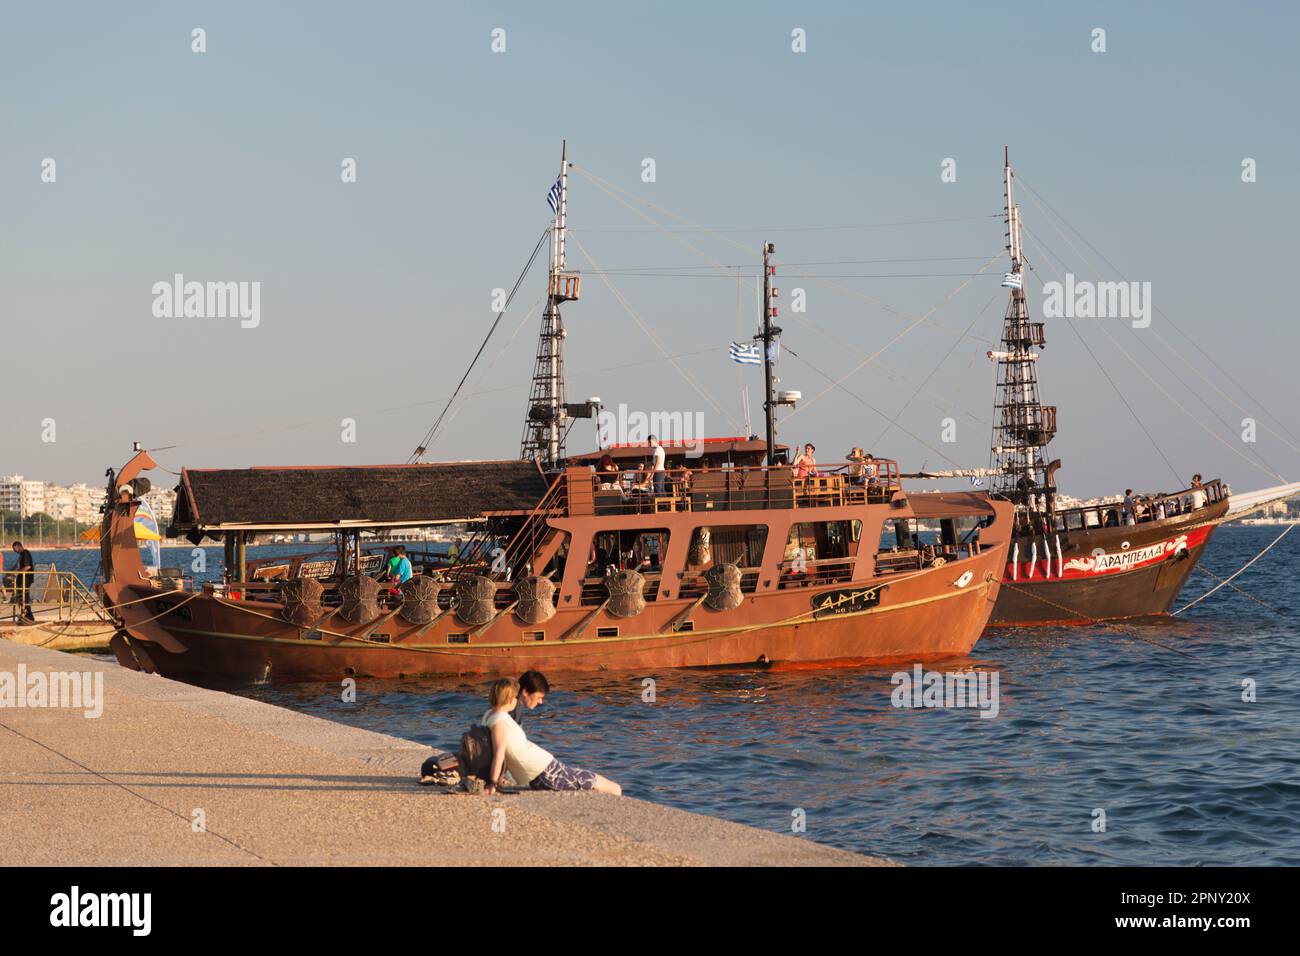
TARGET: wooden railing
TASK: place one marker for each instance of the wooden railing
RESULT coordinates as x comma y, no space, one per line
1149,508
742,489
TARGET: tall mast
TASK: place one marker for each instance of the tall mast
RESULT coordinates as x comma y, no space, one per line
768,335
544,425
1022,425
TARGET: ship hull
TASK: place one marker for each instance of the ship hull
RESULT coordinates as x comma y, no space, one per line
1104,574
923,618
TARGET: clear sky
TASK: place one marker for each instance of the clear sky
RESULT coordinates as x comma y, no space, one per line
225,166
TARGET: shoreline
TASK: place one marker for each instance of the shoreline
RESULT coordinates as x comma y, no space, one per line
276,787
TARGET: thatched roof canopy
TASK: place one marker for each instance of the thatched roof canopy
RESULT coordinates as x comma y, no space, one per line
302,498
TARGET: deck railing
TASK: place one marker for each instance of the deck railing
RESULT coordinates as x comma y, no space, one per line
740,489
54,597
1148,508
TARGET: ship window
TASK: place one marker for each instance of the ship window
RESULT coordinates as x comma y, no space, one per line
555,567
457,638
641,550
741,545
817,552
684,626
607,632
534,635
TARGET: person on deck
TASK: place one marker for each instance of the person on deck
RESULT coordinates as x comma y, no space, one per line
805,466
403,569
659,471
607,473
453,551
857,466
1129,512
528,763
22,582
1198,492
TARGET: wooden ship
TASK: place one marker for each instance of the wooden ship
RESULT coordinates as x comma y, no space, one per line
734,560
1081,564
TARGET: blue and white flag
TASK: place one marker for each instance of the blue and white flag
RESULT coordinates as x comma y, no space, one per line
553,197
976,481
749,354
1012,280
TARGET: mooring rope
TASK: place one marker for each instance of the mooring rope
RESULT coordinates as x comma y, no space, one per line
1238,571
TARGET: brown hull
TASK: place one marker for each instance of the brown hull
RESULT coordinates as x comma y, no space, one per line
1147,590
930,611
910,624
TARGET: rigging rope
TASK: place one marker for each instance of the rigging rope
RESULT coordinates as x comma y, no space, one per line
423,447
1289,529
1173,325
1138,365
857,368
1267,468
654,339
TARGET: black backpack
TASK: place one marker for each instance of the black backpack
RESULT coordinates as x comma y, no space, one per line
475,755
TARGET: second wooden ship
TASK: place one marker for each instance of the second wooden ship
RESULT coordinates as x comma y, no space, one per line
1091,563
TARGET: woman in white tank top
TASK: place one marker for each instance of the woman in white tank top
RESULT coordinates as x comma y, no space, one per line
529,764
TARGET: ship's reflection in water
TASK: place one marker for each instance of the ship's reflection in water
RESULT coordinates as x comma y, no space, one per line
1144,722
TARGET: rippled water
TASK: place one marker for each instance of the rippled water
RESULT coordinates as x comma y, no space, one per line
1091,718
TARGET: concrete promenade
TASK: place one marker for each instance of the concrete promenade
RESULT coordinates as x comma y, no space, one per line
275,787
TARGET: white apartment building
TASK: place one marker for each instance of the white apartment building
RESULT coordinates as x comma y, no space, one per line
163,503
23,495
27,497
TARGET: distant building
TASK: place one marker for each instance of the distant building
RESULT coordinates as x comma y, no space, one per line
79,502
23,495
163,503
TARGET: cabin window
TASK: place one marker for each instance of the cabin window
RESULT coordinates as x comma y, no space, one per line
684,626
555,567
741,545
640,550
534,635
914,543
457,638
607,632
818,552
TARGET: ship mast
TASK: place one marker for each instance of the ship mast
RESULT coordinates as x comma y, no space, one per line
544,425
1022,425
768,335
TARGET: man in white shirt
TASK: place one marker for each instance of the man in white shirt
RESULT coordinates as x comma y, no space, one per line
660,474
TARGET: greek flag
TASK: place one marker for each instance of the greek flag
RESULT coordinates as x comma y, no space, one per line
749,354
553,197
976,481
1011,280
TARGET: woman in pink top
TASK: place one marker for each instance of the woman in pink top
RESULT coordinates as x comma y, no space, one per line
805,466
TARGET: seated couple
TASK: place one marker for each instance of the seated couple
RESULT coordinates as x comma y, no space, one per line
529,764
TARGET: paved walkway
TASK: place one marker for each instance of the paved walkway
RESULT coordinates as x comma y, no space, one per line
275,787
